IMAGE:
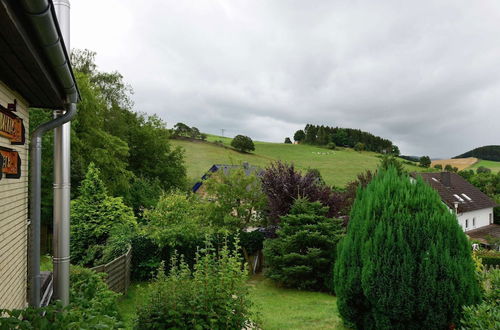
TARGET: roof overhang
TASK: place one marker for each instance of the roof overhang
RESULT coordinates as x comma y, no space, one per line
24,66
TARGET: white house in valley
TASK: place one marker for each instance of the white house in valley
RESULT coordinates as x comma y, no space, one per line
473,208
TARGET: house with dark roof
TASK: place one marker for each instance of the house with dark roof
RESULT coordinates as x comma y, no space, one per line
473,208
226,169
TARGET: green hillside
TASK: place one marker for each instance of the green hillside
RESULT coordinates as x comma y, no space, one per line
492,165
485,152
337,167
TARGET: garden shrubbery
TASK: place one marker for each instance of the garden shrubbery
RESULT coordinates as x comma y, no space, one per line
212,295
485,315
92,306
303,254
405,262
94,216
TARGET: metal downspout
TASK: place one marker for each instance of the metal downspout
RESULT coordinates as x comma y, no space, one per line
36,196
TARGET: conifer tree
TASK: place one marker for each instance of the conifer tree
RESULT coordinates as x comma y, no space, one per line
405,263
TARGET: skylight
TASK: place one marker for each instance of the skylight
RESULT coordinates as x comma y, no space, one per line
459,198
435,179
467,197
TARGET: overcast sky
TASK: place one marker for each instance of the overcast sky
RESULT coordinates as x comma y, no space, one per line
424,74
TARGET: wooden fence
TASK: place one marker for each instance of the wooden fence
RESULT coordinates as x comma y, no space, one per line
118,272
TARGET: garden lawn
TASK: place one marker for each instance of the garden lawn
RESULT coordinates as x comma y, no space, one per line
127,304
337,167
281,308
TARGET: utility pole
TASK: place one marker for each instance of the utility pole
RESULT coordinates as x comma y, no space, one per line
222,131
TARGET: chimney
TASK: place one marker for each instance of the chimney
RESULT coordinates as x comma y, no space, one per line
446,179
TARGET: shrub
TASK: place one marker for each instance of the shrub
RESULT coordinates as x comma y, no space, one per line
405,262
94,215
242,143
303,254
92,306
214,295
448,168
288,141
359,146
331,145
438,167
482,169
283,185
490,258
388,161
485,315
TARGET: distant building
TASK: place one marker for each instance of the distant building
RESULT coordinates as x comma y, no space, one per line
473,208
226,169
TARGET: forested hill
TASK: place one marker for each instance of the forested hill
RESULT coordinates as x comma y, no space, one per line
486,153
344,137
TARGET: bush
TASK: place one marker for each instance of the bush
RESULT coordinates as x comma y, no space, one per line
283,185
303,254
242,143
94,215
214,295
425,161
485,315
482,169
388,161
490,258
438,167
359,146
92,306
331,145
288,141
448,168
405,262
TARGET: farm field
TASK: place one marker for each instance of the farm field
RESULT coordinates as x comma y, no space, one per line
460,163
337,167
492,165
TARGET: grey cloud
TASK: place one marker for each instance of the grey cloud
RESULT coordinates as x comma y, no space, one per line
424,74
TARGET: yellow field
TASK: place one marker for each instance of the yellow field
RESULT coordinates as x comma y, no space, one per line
460,163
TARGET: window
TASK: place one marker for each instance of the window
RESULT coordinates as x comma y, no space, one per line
466,223
491,218
473,222
467,197
459,198
435,179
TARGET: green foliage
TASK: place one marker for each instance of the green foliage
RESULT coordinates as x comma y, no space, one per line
331,145
485,152
490,257
448,168
288,141
236,200
303,254
438,167
214,295
485,315
94,215
482,169
389,161
299,136
405,262
425,161
359,146
92,306
144,194
243,143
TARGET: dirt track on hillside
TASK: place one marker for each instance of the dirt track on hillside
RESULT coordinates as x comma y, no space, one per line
460,163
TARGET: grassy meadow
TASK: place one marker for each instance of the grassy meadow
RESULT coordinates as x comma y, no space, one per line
492,165
337,167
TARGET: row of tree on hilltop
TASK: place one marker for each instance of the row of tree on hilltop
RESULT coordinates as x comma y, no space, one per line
345,137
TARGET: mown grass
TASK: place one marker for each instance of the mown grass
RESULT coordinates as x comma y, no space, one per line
128,303
338,167
492,165
278,308
281,308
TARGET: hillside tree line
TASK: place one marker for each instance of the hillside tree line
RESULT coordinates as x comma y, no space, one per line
344,137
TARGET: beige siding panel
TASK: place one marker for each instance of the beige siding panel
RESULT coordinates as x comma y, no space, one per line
14,218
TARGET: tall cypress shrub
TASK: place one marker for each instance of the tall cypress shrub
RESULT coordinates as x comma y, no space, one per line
405,263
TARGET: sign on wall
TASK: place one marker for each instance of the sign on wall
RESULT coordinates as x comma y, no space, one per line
11,126
11,163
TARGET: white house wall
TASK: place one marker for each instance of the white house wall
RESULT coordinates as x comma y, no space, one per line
14,218
482,218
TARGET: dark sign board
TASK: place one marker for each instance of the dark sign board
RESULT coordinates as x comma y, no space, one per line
11,163
11,126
